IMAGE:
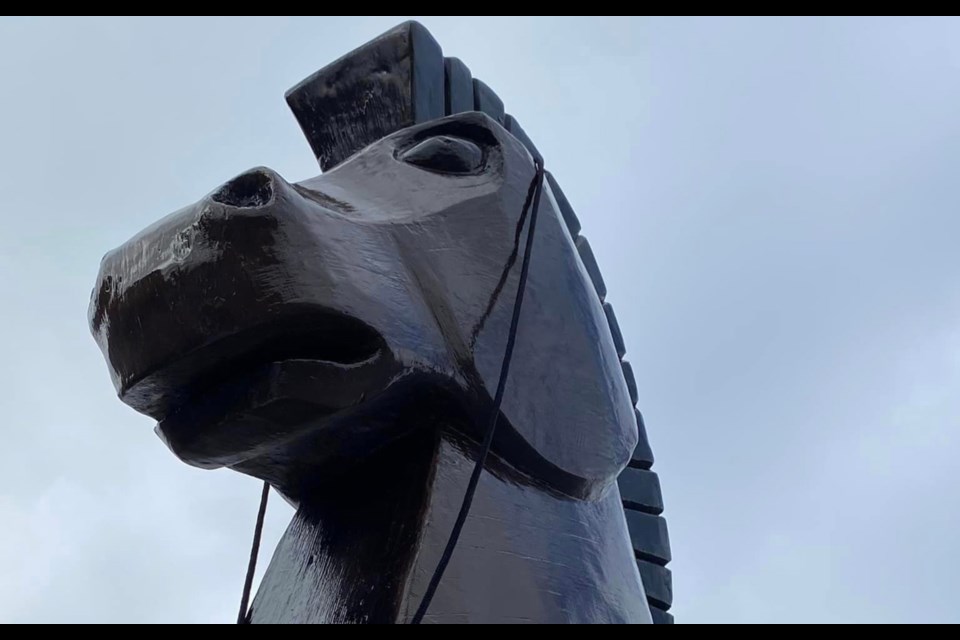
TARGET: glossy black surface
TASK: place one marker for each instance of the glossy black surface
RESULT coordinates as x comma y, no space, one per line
643,455
640,490
458,87
341,338
658,582
569,215
294,331
487,101
380,274
391,82
510,124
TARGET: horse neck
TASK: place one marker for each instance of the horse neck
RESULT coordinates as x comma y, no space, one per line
365,550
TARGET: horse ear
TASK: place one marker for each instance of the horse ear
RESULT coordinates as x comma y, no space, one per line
390,83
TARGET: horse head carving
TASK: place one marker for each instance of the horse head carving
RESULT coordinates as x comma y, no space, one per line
340,338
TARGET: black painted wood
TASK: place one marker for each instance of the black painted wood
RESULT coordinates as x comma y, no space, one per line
569,216
459,86
590,262
390,83
383,88
340,332
660,616
615,329
511,125
642,457
640,490
631,381
649,535
486,100
658,584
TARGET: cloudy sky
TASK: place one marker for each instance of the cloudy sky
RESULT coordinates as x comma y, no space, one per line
775,204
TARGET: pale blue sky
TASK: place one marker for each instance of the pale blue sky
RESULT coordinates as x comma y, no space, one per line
775,205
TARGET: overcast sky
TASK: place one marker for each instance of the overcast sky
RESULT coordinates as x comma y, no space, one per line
775,204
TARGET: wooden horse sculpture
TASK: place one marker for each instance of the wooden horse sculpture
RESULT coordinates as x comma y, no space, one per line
341,339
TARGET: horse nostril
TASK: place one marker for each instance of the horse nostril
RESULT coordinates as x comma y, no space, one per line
251,189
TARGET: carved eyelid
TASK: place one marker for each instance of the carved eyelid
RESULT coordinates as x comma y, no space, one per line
444,153
474,130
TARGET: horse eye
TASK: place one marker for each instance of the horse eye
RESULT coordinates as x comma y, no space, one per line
445,154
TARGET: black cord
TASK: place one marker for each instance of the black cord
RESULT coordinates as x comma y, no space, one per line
243,617
536,187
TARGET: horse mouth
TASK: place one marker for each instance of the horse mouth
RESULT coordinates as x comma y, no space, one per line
341,347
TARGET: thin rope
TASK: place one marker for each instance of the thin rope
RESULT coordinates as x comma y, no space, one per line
244,616
536,187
